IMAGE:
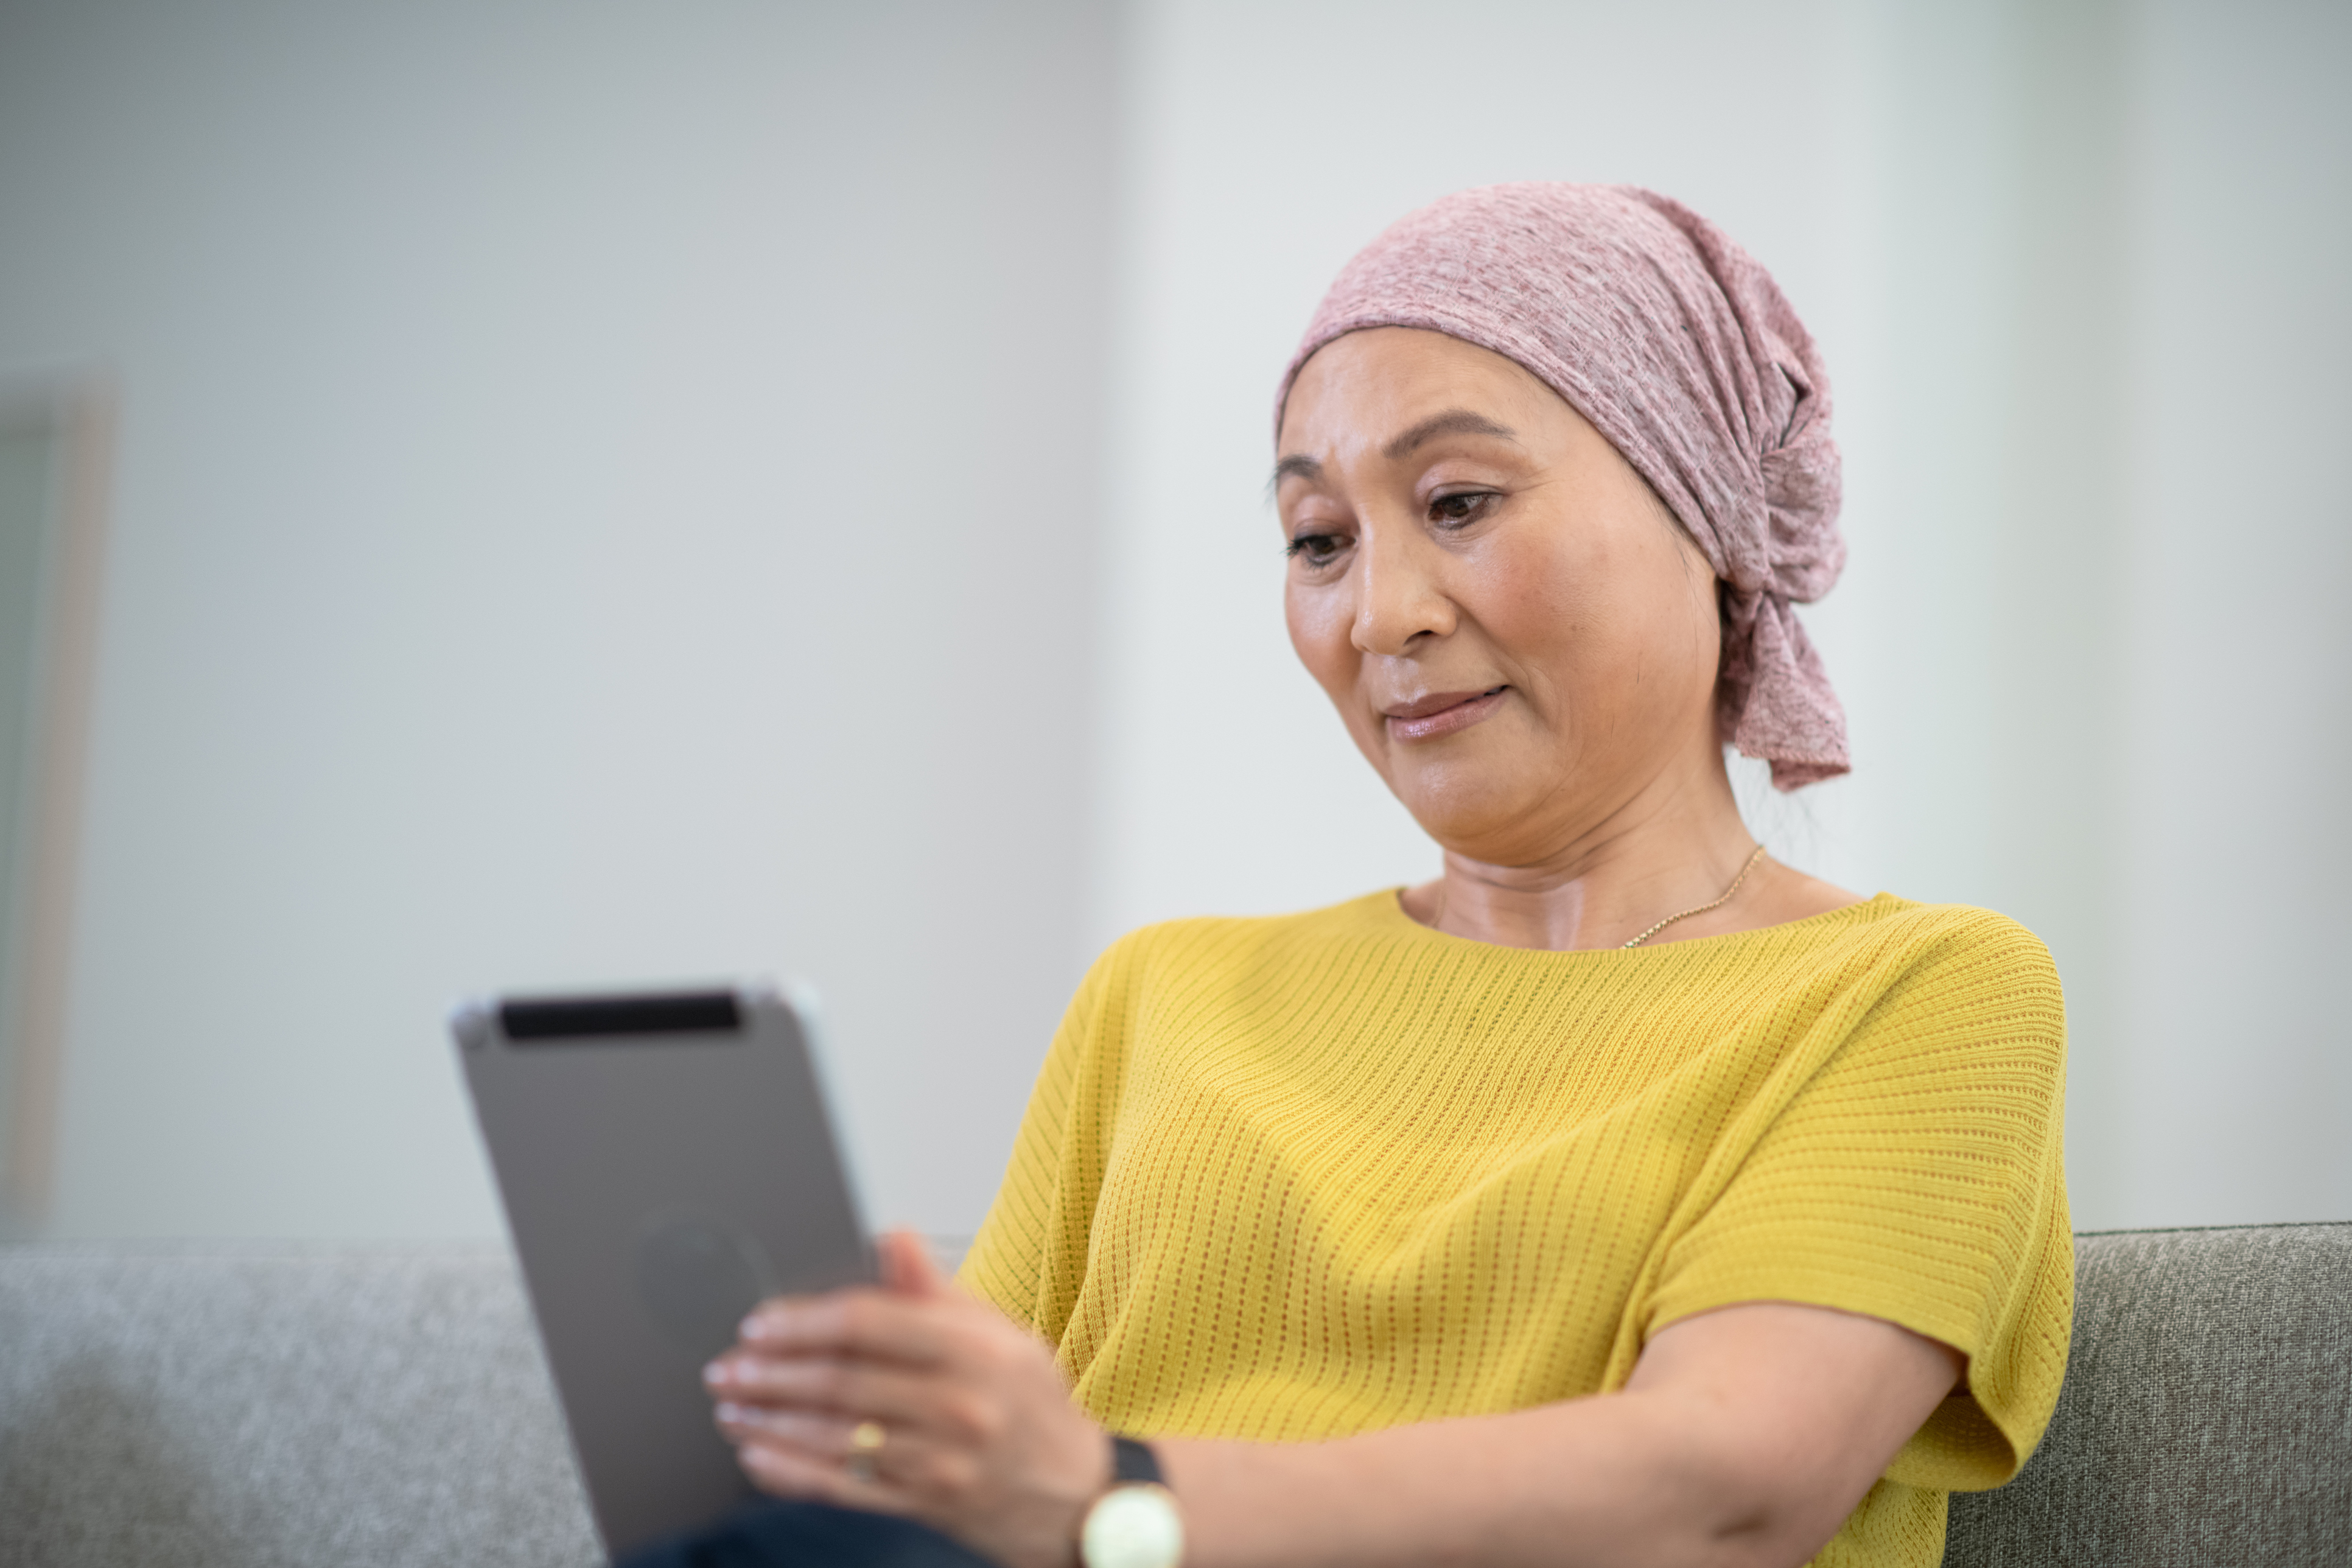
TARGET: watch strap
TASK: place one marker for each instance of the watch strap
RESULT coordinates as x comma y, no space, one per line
1135,1523
1133,1462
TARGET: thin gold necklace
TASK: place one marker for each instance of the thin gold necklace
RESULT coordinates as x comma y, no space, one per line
1703,908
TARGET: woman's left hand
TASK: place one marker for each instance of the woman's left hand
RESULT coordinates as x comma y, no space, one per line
979,1436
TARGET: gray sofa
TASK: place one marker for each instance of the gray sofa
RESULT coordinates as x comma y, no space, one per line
264,1407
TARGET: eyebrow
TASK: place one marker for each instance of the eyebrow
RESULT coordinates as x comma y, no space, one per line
1453,422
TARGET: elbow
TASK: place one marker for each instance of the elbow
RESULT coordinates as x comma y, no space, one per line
1753,1509
1771,1535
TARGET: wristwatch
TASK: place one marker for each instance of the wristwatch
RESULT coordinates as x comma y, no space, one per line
1135,1524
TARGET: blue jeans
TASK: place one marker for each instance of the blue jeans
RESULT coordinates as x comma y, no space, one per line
793,1534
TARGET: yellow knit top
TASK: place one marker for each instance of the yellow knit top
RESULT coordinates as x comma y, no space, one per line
1295,1178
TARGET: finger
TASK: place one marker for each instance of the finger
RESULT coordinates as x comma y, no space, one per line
783,1471
907,1266
826,1385
827,1440
912,1330
819,1435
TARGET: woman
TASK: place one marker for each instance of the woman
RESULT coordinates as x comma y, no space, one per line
1620,1196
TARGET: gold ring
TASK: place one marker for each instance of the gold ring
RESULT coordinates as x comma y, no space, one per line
866,1440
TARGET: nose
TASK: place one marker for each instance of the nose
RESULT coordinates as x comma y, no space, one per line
1398,598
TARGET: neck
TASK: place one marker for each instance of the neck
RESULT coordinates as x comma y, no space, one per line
1676,844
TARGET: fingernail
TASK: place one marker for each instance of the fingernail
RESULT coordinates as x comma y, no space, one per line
754,1328
715,1373
728,1410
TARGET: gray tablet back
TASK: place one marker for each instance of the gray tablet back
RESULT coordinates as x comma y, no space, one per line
666,1160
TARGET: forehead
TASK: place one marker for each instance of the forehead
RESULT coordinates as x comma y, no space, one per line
1365,387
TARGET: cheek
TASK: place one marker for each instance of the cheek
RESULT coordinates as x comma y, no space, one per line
1539,610
1318,625
1585,627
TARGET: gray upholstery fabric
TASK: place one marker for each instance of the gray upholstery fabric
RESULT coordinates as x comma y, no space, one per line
324,1406
2207,1417
280,1406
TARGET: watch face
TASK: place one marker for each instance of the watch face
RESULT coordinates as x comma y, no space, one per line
1133,1527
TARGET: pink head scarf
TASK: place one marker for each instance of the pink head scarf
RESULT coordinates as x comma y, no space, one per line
1680,349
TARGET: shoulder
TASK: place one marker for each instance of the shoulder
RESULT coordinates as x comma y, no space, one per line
1215,941
1217,962
1887,947
1958,947
1959,985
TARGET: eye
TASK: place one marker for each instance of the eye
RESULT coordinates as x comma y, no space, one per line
1315,549
1457,508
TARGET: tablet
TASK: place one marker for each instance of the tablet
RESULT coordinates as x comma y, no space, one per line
666,1160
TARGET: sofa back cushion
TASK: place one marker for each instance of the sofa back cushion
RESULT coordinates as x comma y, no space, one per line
321,1406
2207,1416
299,1407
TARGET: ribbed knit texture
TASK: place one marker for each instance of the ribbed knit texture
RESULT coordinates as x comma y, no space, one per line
1295,1178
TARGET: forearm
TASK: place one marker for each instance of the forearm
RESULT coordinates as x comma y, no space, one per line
1743,1438
1618,1479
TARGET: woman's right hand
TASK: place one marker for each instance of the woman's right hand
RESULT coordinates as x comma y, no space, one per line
979,1438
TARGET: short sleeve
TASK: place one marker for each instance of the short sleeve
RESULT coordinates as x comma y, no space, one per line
1009,1259
1917,1177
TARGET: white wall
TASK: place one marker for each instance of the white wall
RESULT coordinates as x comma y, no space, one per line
2233,888
616,492
606,493
2075,272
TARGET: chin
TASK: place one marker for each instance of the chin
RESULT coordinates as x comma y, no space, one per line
1485,824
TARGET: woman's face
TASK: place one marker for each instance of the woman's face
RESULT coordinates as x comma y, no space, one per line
1519,638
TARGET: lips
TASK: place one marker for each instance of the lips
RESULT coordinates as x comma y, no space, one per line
1440,713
